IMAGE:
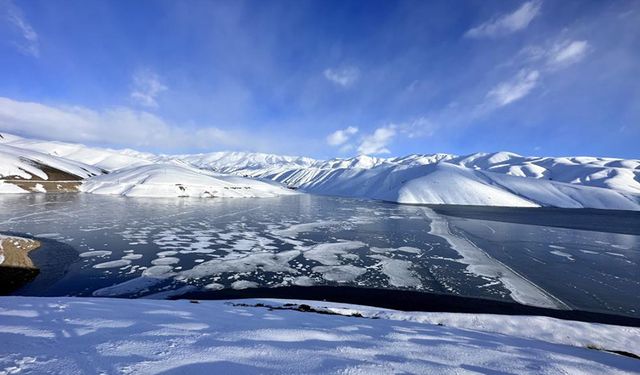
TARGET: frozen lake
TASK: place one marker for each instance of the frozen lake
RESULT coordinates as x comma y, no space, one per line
132,247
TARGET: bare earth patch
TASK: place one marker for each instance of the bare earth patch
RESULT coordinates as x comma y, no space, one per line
57,181
14,251
16,268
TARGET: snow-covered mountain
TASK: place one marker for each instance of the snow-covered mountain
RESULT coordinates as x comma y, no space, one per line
103,158
243,162
496,179
493,179
31,165
23,170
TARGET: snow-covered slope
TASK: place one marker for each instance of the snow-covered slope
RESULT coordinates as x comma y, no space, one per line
447,180
25,164
91,335
106,159
22,171
173,180
498,179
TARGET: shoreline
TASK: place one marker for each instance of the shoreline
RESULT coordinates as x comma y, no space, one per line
405,300
14,251
16,266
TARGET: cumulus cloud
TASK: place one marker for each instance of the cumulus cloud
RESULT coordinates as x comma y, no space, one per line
377,142
122,127
340,137
514,89
507,23
27,41
342,76
567,53
146,88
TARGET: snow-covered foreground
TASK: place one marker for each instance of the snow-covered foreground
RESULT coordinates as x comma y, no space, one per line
76,335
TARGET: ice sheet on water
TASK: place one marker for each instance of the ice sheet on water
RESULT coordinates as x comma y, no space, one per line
340,274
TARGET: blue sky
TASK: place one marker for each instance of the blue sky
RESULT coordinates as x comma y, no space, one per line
325,78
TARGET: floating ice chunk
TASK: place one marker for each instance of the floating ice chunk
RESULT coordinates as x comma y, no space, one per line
165,261
132,256
304,281
158,271
214,286
340,274
296,229
113,264
96,253
398,271
409,249
267,262
244,284
329,254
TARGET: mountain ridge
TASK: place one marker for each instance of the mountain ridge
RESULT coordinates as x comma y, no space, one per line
494,179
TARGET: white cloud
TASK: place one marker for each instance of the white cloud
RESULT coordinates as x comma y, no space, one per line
342,76
28,39
514,89
146,88
339,137
121,127
567,53
418,127
507,23
377,142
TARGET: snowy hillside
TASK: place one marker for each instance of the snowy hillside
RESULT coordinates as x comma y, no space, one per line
172,180
103,158
25,170
132,173
89,335
496,179
499,179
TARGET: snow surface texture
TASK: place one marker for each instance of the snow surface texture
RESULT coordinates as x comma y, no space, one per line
89,335
496,179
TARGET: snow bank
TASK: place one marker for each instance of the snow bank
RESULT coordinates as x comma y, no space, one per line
90,335
169,180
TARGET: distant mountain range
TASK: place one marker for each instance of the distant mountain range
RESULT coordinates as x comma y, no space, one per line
492,179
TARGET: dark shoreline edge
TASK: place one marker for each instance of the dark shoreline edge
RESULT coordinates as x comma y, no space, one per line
405,300
52,259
